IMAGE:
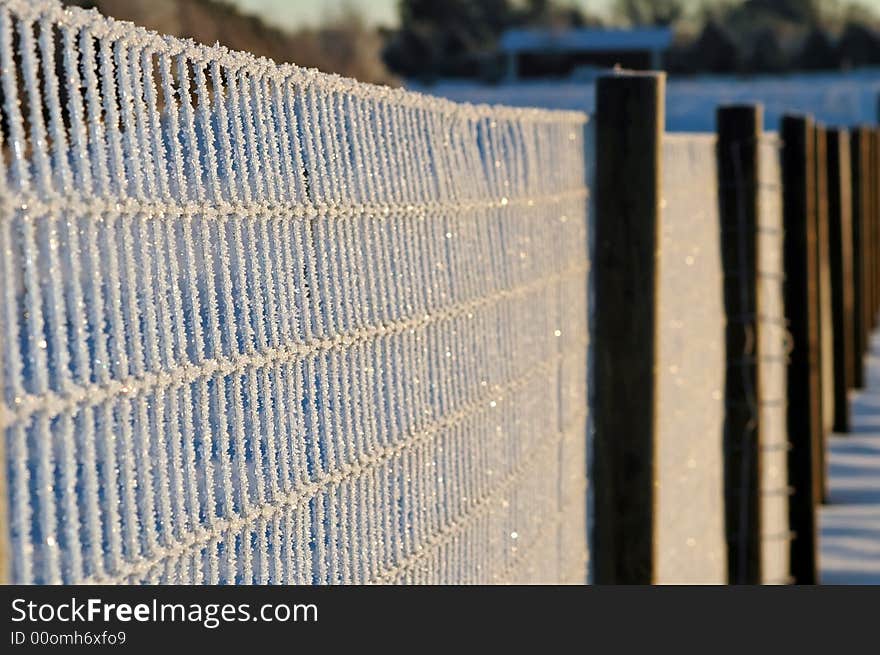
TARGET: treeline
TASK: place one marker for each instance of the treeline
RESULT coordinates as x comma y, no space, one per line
345,44
459,38
775,36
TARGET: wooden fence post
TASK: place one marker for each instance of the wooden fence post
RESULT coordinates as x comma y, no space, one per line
802,310
629,133
826,326
869,240
868,244
874,250
739,133
842,279
859,158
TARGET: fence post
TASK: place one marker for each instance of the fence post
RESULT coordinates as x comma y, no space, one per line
842,281
802,310
629,133
869,238
874,250
871,233
859,159
826,327
868,243
739,133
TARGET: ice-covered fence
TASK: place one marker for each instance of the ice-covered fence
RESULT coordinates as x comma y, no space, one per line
691,367
261,324
693,486
690,534
773,345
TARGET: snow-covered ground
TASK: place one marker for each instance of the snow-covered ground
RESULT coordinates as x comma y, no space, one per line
837,98
850,524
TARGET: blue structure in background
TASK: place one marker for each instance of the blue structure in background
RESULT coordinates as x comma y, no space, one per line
542,52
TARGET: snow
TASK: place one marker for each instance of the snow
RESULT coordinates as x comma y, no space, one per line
850,524
836,98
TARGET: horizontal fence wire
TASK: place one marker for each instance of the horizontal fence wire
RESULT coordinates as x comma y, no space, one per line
690,537
266,325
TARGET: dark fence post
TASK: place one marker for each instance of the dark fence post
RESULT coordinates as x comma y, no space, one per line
874,250
629,133
842,280
739,133
868,245
860,157
802,310
826,326
868,240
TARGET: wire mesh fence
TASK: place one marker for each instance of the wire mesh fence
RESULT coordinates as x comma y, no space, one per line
690,368
774,345
261,324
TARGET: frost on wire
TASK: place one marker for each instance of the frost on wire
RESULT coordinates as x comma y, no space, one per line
265,325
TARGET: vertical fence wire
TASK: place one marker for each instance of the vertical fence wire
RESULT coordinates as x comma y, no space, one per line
262,324
774,347
758,483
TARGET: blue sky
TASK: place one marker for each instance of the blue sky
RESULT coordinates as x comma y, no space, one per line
295,13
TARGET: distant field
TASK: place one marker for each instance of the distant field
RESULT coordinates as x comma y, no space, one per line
833,98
